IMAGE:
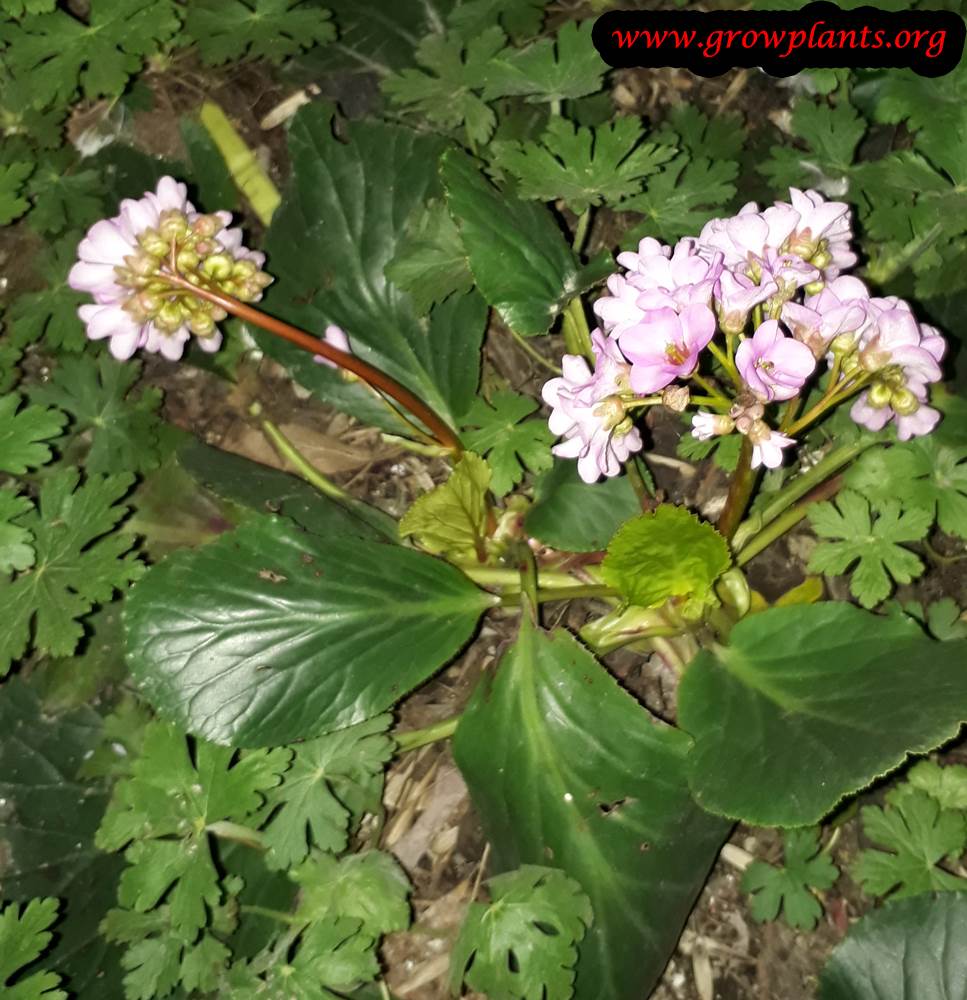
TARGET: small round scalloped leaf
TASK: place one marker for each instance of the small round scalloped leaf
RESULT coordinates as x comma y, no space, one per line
667,553
910,950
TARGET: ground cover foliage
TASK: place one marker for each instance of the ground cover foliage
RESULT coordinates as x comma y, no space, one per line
204,659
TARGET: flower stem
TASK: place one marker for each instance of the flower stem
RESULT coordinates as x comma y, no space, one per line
301,464
722,401
368,373
577,336
729,365
833,397
787,520
497,576
747,534
264,911
740,492
581,230
413,739
536,355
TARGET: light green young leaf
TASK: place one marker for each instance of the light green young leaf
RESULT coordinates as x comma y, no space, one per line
945,620
22,434
872,544
97,394
163,812
582,166
524,943
13,179
922,475
789,888
76,566
550,69
452,519
918,834
431,263
256,29
509,445
23,936
17,8
680,199
16,550
370,887
667,553
59,52
331,781
52,312
831,135
948,785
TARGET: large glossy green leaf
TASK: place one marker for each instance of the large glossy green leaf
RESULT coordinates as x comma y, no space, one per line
576,516
810,703
47,824
270,634
517,252
914,949
568,770
269,491
341,221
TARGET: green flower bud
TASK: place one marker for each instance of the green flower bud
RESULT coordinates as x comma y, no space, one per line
154,243
218,266
173,225
206,226
879,395
904,402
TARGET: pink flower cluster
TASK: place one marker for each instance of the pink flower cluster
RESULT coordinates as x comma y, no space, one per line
122,264
764,292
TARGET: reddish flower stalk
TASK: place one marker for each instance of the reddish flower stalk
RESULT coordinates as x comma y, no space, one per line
372,376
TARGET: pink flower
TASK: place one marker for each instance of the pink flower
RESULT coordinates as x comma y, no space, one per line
773,365
737,296
588,413
916,420
892,336
122,264
839,309
657,278
789,272
666,345
767,446
705,426
823,231
746,236
336,337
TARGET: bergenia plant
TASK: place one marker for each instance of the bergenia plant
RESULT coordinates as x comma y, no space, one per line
659,495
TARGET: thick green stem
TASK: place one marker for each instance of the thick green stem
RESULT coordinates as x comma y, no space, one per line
301,464
797,489
740,491
496,576
545,594
729,365
577,336
787,520
415,738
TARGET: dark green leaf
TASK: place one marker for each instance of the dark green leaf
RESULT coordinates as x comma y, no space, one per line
517,253
23,433
47,825
565,768
575,516
339,225
827,683
914,949
268,635
510,443
524,944
256,29
268,491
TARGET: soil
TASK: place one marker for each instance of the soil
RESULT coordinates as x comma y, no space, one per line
724,954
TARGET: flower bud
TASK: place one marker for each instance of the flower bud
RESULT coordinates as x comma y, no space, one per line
244,269
153,243
814,287
843,343
173,225
676,397
201,324
758,432
872,359
170,316
218,266
206,226
187,260
610,411
904,402
879,395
